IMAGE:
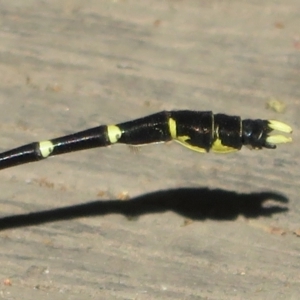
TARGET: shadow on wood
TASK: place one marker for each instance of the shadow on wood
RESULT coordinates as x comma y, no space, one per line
193,203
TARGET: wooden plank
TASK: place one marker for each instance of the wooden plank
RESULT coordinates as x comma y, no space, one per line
69,65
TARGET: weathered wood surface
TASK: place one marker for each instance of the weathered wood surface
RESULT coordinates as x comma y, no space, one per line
70,65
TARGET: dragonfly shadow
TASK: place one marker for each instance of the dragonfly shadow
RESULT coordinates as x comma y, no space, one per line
193,203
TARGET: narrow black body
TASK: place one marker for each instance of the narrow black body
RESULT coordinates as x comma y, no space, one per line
200,131
147,130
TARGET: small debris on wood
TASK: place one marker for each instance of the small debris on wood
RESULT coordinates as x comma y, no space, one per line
7,282
123,196
276,105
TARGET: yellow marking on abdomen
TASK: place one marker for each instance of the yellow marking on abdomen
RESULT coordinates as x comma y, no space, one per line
172,128
46,148
217,147
182,140
114,133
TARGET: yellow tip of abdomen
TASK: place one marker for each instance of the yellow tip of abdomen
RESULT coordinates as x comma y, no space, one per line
280,126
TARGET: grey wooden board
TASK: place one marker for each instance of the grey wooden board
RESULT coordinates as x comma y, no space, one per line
69,65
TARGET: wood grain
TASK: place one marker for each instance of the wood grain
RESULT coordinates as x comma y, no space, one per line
195,226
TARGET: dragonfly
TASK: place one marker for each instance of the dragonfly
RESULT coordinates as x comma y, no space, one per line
201,131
